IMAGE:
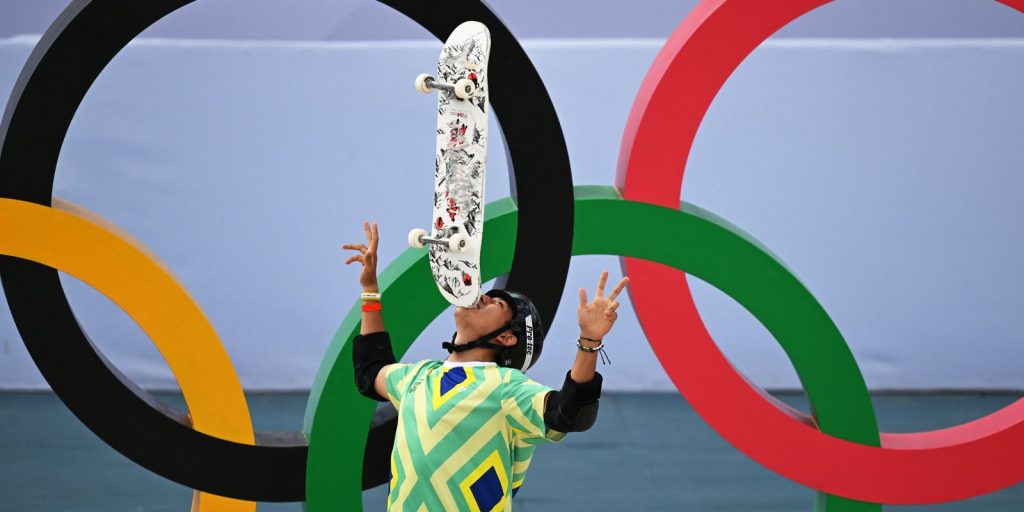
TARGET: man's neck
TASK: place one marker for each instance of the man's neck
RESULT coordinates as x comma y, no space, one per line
474,354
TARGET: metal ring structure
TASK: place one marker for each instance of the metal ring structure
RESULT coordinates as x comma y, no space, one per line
726,258
80,243
968,460
60,70
71,54
711,42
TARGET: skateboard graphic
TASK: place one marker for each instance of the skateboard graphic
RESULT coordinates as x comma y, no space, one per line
460,164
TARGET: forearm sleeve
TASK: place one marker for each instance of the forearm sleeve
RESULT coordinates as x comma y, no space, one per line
574,408
371,353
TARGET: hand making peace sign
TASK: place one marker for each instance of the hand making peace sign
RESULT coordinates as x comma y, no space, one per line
597,318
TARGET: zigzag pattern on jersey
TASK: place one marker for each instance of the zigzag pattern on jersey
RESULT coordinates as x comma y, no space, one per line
471,452
463,409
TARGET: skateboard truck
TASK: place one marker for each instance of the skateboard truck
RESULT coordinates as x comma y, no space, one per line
463,88
458,242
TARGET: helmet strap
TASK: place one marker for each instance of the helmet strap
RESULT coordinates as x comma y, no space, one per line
483,341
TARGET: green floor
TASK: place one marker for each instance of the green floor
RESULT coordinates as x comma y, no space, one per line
647,451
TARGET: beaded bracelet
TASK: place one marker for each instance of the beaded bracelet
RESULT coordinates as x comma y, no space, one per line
599,349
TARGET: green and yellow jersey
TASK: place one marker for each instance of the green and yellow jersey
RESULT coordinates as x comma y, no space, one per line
466,435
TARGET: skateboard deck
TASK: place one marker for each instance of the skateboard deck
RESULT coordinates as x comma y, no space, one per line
460,164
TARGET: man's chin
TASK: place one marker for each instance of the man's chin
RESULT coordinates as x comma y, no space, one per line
462,314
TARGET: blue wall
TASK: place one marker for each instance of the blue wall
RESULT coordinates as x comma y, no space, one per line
360,20
885,173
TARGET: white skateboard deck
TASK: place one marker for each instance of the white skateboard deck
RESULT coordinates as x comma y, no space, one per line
460,164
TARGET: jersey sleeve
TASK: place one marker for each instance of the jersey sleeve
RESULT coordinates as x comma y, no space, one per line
523,402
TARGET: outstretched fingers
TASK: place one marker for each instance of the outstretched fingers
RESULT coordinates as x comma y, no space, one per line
618,288
600,285
356,247
610,310
583,298
372,238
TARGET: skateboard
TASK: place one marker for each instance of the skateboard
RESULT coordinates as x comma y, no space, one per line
460,164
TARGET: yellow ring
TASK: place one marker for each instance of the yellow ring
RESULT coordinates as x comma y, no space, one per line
80,243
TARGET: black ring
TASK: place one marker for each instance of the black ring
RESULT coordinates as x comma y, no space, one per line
69,57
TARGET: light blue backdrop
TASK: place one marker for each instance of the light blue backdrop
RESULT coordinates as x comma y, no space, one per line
887,174
360,20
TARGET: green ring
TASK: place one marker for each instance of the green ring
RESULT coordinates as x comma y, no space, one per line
338,418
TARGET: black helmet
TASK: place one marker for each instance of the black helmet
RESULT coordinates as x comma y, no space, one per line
527,326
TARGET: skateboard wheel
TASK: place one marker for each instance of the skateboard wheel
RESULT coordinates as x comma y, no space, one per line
459,242
421,83
464,88
416,238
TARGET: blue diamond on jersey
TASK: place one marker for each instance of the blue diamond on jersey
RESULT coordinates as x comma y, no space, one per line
487,490
451,378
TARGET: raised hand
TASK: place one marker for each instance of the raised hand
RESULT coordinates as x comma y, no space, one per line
596,318
367,256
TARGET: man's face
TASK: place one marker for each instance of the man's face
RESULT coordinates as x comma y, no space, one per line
489,314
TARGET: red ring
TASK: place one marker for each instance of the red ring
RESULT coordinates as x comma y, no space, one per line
975,458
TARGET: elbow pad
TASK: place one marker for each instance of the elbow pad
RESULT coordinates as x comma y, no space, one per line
371,353
574,408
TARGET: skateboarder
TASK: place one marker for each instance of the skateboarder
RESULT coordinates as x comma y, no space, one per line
468,425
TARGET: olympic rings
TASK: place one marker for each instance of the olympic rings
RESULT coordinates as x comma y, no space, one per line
956,463
60,70
723,256
79,243
951,464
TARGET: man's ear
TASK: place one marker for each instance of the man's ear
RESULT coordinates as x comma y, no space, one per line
507,339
